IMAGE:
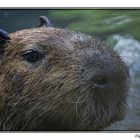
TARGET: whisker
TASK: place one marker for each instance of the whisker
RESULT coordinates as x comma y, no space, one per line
77,105
75,102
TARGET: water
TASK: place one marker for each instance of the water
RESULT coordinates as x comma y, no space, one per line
129,50
100,22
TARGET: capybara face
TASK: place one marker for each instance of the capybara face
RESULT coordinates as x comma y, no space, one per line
55,79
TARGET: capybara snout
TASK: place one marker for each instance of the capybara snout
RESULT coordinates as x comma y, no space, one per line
56,79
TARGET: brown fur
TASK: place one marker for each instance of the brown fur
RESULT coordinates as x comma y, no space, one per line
57,93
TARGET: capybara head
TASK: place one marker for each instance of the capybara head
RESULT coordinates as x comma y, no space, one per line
56,79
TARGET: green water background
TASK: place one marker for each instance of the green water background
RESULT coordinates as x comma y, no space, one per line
102,23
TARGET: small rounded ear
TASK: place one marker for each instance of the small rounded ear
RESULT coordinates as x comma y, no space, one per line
44,21
4,40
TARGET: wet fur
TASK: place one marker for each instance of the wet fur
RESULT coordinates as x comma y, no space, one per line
57,92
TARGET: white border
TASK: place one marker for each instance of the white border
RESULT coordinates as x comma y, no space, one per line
67,4
70,3
69,136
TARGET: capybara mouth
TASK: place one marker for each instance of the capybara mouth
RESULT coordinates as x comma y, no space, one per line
56,79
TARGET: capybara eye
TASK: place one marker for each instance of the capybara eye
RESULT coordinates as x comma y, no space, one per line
32,56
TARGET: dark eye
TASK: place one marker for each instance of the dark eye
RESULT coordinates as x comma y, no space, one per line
32,56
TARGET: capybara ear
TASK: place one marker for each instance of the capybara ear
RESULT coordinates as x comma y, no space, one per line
44,22
4,40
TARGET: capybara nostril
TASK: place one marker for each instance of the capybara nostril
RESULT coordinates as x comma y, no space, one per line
100,82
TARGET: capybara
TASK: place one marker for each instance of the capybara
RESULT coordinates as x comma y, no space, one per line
56,79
